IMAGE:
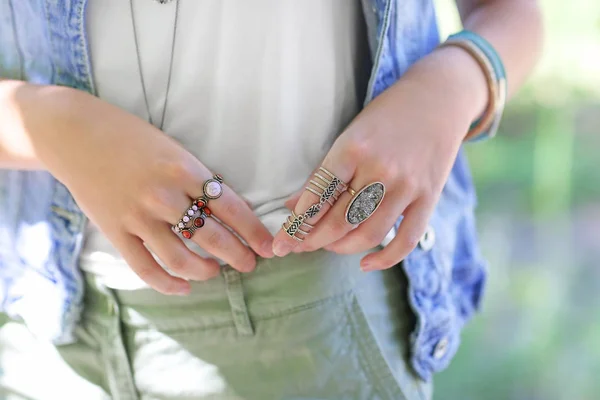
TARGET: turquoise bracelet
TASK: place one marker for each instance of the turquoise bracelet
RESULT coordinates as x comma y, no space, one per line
500,77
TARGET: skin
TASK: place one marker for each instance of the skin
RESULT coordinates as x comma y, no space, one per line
408,138
133,196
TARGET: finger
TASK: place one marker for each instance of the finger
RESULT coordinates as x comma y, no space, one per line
212,236
145,266
373,231
334,225
337,164
222,243
236,213
290,203
182,261
409,233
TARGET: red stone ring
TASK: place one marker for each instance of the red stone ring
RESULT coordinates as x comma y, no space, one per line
194,217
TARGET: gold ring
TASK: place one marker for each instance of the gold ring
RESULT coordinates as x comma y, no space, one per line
351,191
364,203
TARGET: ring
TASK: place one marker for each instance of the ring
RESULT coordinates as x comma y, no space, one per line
331,187
351,191
193,218
213,188
364,203
294,223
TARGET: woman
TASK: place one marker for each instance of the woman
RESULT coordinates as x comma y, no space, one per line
150,150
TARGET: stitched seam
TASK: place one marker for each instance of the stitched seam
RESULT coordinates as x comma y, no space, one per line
17,41
372,353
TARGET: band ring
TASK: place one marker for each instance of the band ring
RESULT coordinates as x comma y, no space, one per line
194,217
364,203
328,188
351,191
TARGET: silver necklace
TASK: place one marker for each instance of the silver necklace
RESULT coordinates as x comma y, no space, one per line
139,62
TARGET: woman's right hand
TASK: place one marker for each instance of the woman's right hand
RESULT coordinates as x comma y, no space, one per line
134,182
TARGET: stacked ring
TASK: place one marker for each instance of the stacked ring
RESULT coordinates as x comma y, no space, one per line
331,188
194,217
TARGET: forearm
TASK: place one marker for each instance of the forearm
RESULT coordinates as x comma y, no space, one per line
30,122
16,146
514,29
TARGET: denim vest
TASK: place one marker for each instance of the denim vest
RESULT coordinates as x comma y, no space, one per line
41,227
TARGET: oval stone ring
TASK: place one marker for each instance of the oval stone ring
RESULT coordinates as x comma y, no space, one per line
364,202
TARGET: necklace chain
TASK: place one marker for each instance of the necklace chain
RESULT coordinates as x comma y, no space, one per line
139,62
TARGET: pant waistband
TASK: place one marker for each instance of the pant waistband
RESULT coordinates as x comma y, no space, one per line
277,286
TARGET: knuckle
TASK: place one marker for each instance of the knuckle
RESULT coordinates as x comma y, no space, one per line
177,171
138,218
179,263
387,172
216,240
357,147
338,226
233,209
410,183
155,198
373,239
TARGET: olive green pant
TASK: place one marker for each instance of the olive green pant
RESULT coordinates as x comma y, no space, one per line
307,326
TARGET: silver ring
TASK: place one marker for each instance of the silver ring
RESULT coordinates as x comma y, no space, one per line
293,228
327,191
364,203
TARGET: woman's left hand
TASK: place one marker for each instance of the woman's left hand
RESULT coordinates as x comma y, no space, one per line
408,139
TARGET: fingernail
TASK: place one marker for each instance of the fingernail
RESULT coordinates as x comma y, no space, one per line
281,248
366,266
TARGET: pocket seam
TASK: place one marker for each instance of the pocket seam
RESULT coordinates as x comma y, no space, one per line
375,361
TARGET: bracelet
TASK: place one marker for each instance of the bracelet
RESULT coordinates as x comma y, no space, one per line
487,125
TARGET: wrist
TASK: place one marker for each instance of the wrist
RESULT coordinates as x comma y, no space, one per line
457,76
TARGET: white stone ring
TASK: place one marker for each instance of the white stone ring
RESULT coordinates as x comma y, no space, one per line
213,188
194,217
364,202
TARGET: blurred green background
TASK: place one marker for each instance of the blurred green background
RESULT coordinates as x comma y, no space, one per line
538,336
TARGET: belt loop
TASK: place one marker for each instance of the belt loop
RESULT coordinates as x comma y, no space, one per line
235,295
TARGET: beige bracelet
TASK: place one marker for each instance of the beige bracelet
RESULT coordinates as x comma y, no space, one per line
496,100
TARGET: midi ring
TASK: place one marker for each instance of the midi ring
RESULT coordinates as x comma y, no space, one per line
329,187
295,223
364,203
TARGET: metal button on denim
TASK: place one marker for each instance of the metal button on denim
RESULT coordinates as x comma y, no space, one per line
441,348
428,239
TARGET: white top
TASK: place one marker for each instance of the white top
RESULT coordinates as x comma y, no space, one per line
259,91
